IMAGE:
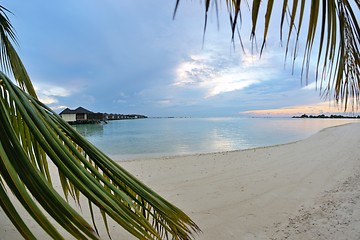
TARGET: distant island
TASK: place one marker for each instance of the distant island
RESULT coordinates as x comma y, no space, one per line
324,116
81,115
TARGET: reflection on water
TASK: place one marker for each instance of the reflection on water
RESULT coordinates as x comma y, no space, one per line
128,139
89,130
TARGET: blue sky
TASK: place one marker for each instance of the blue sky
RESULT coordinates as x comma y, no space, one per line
132,57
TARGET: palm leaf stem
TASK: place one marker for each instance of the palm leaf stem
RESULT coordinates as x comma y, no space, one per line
107,185
60,156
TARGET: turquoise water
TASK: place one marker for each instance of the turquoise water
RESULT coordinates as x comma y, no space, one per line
153,137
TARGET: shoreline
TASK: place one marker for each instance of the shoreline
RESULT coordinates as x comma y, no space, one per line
308,189
260,193
170,156
145,156
207,135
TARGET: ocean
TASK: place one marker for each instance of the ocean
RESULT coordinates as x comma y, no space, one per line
156,137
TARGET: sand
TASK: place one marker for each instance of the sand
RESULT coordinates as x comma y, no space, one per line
309,189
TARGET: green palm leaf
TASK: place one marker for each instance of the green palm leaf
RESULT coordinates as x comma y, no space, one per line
111,188
338,60
32,134
9,59
108,186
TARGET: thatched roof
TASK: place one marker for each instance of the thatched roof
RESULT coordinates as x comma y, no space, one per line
78,110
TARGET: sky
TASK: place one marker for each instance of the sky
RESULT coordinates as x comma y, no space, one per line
132,57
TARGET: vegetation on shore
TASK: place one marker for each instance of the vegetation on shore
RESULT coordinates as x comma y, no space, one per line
325,116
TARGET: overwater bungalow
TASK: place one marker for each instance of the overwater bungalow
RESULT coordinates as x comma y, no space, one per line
81,115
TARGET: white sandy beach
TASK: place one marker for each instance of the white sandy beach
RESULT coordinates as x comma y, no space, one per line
304,190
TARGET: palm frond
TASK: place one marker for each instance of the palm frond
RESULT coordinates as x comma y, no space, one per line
9,59
32,134
83,168
337,45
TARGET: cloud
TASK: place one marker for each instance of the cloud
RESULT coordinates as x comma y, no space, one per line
47,100
144,62
216,73
51,90
311,86
58,108
49,93
228,82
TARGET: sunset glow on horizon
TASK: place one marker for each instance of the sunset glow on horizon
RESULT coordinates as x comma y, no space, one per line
326,108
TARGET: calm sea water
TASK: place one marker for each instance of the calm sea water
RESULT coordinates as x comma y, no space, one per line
153,137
